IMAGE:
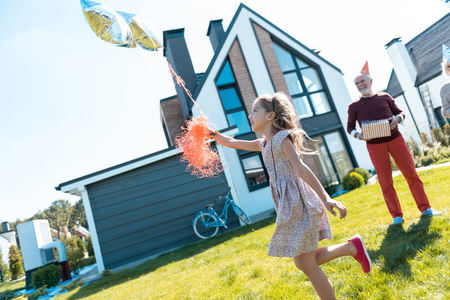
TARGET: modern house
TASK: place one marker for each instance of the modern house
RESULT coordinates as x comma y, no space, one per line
417,76
81,231
144,207
7,239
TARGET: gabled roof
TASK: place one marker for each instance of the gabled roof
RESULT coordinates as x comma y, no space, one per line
394,88
425,51
225,37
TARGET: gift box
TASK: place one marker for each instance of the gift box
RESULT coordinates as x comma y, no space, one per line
375,129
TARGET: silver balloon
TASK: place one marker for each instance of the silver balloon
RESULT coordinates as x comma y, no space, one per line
142,33
107,24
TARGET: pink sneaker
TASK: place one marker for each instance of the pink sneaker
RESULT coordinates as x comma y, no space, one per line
361,253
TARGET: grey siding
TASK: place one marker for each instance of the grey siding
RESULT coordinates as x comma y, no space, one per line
149,210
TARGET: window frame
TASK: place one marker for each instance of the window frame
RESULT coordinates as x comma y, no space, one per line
247,154
345,144
235,86
246,135
311,65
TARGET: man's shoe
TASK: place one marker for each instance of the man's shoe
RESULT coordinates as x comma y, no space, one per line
397,220
361,253
431,212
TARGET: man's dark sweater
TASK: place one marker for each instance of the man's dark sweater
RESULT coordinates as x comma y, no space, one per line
377,107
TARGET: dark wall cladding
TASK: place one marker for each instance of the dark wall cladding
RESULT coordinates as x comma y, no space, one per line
150,210
320,123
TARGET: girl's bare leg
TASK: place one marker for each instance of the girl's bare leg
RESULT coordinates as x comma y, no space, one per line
308,264
326,254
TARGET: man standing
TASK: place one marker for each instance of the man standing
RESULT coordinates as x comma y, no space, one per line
378,106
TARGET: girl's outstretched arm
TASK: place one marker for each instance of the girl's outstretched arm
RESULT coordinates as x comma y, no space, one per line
237,144
308,176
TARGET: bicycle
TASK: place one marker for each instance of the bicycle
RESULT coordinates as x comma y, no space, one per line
206,222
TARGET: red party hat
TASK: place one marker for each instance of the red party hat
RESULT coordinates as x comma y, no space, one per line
365,69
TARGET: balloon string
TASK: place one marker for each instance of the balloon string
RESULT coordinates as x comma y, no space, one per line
202,161
181,83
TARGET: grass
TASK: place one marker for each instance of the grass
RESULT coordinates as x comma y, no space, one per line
7,290
411,261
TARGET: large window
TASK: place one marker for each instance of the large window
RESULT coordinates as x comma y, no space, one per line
338,153
304,84
231,100
332,161
254,171
236,114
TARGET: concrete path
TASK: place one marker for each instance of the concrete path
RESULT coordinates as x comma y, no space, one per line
373,179
91,275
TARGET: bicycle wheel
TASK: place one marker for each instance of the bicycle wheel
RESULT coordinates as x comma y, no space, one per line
241,214
201,225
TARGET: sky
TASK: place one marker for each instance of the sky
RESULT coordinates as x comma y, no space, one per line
72,104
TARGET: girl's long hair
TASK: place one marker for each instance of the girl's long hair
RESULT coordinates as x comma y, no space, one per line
285,118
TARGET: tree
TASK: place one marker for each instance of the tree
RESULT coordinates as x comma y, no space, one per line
37,216
439,136
75,253
78,215
425,140
3,266
58,215
15,262
89,246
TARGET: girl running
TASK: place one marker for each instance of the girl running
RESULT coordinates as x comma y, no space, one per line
299,198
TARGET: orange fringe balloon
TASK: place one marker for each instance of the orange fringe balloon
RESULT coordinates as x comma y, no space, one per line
193,141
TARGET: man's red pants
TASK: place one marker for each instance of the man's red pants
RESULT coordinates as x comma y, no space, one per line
379,154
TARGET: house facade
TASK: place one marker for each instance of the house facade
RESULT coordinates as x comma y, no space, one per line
7,239
144,207
251,58
4,250
417,76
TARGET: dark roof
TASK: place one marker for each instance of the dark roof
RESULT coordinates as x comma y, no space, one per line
168,98
425,51
199,78
213,23
394,88
171,33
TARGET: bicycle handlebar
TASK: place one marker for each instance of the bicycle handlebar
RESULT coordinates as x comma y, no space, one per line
224,197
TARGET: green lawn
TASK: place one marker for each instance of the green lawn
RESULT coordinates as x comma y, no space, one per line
411,261
7,290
